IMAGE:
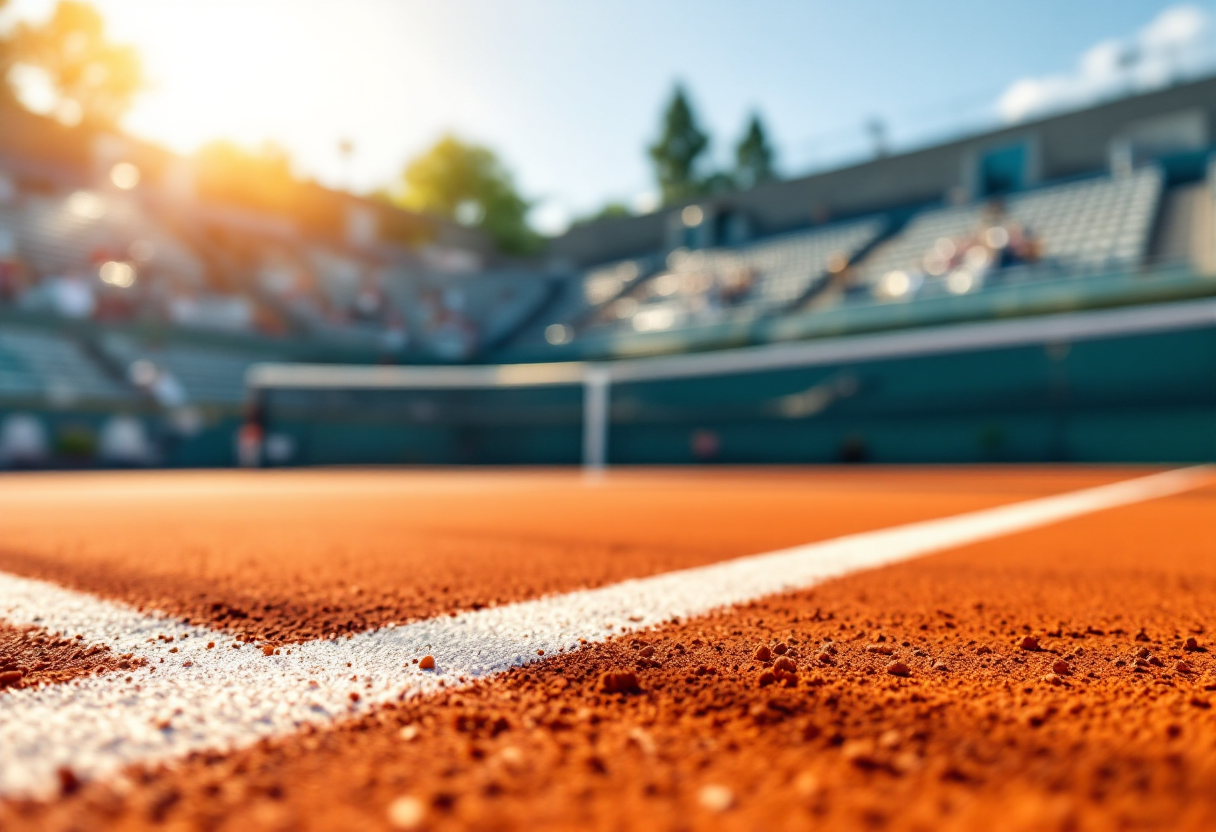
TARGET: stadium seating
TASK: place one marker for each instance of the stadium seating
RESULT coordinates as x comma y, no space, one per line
339,277
43,364
210,376
1098,223
788,266
1084,226
454,316
64,234
1101,223
739,283
575,297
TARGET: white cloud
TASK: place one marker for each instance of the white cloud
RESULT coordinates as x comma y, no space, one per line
1178,43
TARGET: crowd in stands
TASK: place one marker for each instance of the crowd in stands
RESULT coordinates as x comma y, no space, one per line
108,259
1089,225
1094,224
106,256
103,257
964,262
734,283
695,286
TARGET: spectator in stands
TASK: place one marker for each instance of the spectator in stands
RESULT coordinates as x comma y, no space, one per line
968,260
293,289
448,332
14,277
123,303
735,285
455,337
71,295
396,334
1021,246
1006,239
268,321
113,305
158,383
841,272
369,304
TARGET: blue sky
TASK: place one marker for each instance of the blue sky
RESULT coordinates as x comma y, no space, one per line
570,92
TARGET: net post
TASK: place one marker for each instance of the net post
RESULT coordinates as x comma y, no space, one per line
596,381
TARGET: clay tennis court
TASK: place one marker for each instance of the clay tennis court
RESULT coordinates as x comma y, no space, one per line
1048,668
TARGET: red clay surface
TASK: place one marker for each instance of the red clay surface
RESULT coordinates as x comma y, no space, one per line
296,556
1104,723
30,657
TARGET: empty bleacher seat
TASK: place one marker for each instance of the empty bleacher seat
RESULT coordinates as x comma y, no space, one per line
62,234
35,362
578,295
788,265
453,315
214,376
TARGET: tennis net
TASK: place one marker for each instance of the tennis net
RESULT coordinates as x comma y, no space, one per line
1028,389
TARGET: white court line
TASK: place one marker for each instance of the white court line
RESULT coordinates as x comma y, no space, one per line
229,697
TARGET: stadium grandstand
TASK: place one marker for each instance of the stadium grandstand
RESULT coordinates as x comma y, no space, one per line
1076,253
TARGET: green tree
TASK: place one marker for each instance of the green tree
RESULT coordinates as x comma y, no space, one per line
753,156
94,80
718,182
681,142
6,56
610,211
468,183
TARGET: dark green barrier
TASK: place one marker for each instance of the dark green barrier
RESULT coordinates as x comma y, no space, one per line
1143,398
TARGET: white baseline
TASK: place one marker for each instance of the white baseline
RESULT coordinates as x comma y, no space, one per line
224,698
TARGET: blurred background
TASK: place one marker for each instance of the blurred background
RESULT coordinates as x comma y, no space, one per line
866,232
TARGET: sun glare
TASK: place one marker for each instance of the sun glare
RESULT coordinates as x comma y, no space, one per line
124,175
247,71
302,75
219,70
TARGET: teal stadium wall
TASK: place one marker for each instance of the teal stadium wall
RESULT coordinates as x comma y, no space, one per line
1140,399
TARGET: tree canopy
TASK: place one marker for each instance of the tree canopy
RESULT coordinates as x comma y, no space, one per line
676,152
753,156
469,184
94,80
6,59
610,210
